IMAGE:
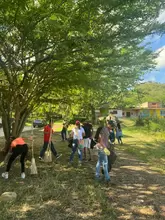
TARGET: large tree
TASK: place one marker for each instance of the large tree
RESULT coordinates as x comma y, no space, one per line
55,44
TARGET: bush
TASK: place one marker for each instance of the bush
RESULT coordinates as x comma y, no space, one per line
139,122
158,124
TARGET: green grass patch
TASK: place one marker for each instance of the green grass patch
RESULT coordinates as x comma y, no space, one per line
146,145
58,191
28,124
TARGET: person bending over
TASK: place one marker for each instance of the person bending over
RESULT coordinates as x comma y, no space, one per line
18,147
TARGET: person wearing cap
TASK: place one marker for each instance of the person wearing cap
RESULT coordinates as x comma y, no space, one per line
77,134
17,147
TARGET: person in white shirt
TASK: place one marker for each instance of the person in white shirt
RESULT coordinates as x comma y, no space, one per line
77,133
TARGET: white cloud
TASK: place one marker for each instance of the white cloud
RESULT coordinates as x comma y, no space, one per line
161,17
160,60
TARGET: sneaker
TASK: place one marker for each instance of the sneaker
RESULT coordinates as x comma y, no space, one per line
58,156
23,175
40,158
5,175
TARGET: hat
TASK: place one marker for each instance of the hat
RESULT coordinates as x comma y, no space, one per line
77,122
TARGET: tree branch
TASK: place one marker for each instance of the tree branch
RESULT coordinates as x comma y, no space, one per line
3,66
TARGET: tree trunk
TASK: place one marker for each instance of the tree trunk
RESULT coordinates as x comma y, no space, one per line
93,114
16,129
7,131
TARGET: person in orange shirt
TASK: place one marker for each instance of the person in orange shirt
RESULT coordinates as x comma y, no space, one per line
17,147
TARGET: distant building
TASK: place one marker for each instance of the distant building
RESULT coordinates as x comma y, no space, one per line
116,113
146,110
105,112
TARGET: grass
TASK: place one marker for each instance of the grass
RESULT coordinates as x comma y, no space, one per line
146,145
65,192
58,192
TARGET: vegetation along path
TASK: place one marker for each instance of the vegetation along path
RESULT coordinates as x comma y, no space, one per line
61,192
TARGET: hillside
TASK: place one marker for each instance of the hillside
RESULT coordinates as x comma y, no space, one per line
145,92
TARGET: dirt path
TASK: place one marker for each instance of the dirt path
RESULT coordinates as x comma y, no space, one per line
140,191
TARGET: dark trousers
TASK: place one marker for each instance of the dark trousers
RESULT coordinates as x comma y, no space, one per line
16,151
119,140
44,148
63,134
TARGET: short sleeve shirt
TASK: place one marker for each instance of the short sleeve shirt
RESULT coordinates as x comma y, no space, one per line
104,137
47,132
88,130
17,141
78,133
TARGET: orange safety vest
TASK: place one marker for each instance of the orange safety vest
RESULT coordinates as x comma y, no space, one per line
17,141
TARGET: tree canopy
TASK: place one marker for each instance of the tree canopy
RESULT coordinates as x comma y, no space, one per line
58,45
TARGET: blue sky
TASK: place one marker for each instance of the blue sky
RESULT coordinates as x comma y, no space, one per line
158,45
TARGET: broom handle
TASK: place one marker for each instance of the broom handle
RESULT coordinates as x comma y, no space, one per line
32,142
50,138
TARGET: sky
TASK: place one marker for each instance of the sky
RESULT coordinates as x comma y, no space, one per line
157,45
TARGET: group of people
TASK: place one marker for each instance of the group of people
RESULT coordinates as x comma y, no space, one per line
116,132
81,141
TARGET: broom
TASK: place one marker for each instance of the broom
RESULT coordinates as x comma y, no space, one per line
48,153
33,167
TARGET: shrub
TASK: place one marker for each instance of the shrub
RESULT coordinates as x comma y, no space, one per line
139,122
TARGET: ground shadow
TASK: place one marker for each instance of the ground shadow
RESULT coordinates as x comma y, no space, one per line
62,192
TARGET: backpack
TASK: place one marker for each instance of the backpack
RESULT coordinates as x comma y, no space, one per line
70,142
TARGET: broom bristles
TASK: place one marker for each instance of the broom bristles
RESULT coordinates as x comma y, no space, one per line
48,156
33,169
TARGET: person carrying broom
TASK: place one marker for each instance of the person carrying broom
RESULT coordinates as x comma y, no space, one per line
17,147
48,131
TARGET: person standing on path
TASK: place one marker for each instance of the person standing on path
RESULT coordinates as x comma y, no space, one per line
64,131
48,131
77,134
103,143
119,133
88,128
